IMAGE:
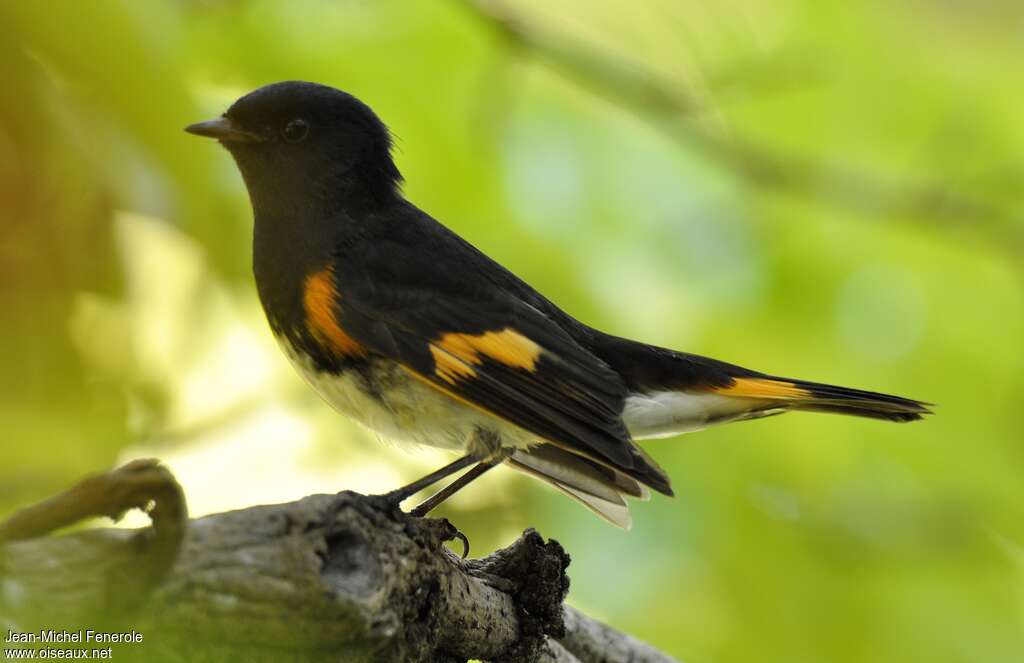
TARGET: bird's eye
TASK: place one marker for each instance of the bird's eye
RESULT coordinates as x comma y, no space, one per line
295,130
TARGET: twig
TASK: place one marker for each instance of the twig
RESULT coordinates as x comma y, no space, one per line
141,484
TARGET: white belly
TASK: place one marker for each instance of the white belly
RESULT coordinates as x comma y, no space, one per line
402,409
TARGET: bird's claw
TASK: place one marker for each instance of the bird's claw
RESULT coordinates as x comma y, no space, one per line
465,542
394,499
451,533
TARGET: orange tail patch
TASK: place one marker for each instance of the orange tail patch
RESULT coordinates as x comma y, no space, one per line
763,388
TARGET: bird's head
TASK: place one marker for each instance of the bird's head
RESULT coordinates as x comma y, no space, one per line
305,140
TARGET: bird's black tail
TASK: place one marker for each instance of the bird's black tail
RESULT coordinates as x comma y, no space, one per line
817,397
675,392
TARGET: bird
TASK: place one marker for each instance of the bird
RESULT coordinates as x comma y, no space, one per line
406,327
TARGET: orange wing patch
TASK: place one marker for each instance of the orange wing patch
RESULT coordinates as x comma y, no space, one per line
763,388
448,367
456,354
320,299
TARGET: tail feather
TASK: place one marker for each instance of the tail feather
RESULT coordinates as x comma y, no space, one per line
818,397
663,413
867,413
615,512
599,488
676,392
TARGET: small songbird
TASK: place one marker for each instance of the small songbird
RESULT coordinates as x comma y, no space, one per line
406,327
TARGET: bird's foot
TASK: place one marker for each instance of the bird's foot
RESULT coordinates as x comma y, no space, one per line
454,533
391,501
395,498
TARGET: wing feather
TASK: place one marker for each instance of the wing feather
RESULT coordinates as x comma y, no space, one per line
504,357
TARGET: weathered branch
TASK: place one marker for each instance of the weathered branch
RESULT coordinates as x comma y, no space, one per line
343,576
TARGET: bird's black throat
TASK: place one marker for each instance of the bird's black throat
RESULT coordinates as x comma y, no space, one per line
300,221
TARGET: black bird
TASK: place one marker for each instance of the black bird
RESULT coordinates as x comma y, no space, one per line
403,325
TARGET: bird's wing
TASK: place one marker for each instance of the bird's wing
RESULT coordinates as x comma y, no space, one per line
483,347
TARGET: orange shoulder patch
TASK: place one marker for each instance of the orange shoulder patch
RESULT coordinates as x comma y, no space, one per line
763,388
320,300
456,354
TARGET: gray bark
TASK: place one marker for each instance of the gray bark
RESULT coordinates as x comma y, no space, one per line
344,577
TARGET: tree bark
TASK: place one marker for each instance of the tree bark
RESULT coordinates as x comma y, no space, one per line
345,577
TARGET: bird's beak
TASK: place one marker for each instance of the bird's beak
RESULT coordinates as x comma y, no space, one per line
224,130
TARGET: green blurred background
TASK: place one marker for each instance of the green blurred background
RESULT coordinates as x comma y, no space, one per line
824,189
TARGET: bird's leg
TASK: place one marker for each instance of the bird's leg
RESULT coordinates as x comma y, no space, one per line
484,444
440,496
455,486
399,495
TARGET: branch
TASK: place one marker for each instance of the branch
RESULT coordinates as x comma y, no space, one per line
343,576
670,108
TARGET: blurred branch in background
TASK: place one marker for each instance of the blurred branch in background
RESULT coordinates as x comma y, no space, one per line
673,110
